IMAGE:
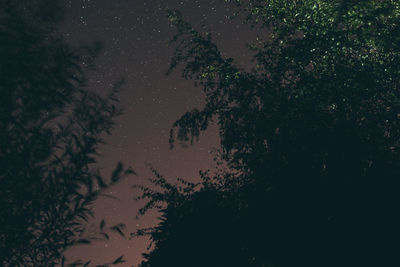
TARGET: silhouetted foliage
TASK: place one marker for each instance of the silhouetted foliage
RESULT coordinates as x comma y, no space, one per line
199,224
80,263
50,129
313,129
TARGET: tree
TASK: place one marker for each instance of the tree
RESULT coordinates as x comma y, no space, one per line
50,129
199,224
313,129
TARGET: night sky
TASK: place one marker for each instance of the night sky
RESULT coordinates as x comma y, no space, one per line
135,36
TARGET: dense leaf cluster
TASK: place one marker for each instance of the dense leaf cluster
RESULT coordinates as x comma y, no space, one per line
313,129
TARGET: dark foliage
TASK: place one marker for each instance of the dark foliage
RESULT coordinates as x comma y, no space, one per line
313,131
50,128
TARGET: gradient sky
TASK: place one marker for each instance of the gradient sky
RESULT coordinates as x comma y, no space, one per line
135,36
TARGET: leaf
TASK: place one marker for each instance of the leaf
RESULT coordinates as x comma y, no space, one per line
100,181
117,228
130,171
119,260
102,224
116,174
105,235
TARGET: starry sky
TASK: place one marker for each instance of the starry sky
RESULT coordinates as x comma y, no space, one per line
135,36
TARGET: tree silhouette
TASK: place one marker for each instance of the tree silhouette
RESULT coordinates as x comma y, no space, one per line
313,130
50,129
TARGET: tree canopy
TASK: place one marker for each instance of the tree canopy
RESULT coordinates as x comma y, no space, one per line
312,129
51,125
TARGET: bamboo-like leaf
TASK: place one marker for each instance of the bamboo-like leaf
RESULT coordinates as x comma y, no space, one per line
119,260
